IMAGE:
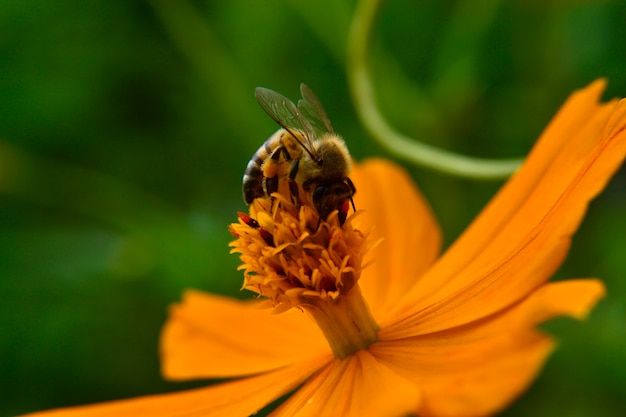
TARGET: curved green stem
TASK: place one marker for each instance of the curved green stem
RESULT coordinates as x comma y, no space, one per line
402,146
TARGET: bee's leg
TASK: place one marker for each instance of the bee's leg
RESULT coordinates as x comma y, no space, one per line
285,152
353,191
270,174
293,171
293,185
319,222
270,185
319,196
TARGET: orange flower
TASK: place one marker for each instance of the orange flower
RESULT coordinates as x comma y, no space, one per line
402,330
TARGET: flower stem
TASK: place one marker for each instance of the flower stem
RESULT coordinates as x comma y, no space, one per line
346,322
361,87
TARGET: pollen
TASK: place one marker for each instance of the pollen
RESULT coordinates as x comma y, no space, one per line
293,258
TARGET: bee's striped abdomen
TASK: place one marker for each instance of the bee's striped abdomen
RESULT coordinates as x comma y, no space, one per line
253,176
272,161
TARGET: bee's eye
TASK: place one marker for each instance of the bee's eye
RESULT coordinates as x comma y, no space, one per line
340,189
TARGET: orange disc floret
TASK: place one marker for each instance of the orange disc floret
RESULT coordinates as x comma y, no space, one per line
293,258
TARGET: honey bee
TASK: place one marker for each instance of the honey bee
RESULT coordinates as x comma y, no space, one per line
305,151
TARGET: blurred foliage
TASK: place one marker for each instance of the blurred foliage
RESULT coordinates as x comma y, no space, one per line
125,127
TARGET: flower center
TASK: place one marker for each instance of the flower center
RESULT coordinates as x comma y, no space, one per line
293,259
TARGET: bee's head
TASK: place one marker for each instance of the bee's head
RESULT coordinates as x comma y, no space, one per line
331,196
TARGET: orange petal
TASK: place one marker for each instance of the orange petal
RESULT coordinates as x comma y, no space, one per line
479,368
210,336
574,298
356,386
468,379
386,194
524,234
238,398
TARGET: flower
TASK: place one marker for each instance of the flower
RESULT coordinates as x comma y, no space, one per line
396,329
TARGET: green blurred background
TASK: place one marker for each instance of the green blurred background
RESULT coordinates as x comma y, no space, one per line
125,127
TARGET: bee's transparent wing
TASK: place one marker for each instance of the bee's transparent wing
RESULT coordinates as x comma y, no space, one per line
313,111
286,114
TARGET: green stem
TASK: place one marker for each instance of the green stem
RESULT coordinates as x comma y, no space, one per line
402,146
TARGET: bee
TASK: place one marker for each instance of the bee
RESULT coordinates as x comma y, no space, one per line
305,151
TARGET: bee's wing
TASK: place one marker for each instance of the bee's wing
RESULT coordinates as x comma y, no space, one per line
311,107
286,114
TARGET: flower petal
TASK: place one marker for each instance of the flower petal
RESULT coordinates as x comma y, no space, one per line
573,298
384,190
479,368
468,380
210,336
356,386
237,398
524,234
